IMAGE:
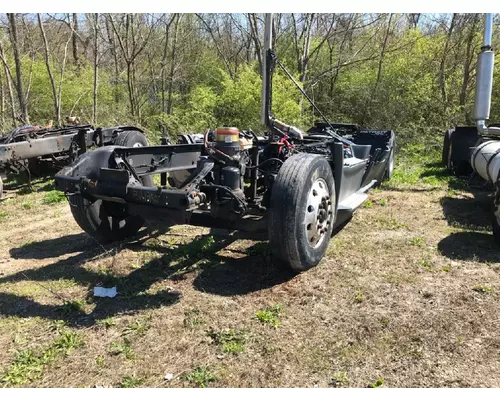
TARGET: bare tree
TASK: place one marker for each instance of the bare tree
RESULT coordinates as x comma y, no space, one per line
24,117
382,53
468,60
96,68
254,32
216,44
56,89
413,20
168,24
57,106
111,40
132,40
8,81
172,65
74,38
442,65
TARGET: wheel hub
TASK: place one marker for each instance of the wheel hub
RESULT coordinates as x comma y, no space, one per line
319,213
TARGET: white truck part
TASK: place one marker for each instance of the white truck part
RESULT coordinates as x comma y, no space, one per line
485,160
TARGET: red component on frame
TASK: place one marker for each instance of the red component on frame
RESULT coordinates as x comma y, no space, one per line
284,141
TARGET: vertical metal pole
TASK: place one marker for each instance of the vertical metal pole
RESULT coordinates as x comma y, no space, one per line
488,29
484,81
268,32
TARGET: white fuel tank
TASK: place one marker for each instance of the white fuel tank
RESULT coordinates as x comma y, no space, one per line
485,160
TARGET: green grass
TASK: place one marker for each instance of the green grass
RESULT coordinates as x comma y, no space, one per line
106,322
58,326
3,214
130,382
200,376
192,318
67,342
389,222
483,289
359,296
100,361
54,196
27,205
28,244
122,348
379,382
29,365
417,241
339,379
72,307
137,327
367,204
230,341
426,264
419,165
199,247
270,315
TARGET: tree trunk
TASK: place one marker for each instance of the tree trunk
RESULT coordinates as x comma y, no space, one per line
305,51
442,65
252,19
469,55
57,111
111,40
217,47
8,81
382,54
163,69
96,70
172,67
345,38
24,117
75,40
2,103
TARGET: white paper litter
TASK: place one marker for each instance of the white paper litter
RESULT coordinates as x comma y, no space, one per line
168,377
104,292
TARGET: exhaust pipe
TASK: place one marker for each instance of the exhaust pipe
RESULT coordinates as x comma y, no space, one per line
265,107
266,116
484,81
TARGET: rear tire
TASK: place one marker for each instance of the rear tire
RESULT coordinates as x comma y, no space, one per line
446,148
107,221
95,219
496,230
302,211
496,218
135,139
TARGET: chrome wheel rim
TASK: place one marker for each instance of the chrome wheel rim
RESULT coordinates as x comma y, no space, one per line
319,213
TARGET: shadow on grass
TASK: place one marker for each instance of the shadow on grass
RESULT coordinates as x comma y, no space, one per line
41,183
254,272
214,273
53,247
470,246
472,213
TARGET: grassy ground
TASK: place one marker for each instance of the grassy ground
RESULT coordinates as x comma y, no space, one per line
407,296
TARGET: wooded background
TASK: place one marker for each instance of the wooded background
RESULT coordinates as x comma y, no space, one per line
413,73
